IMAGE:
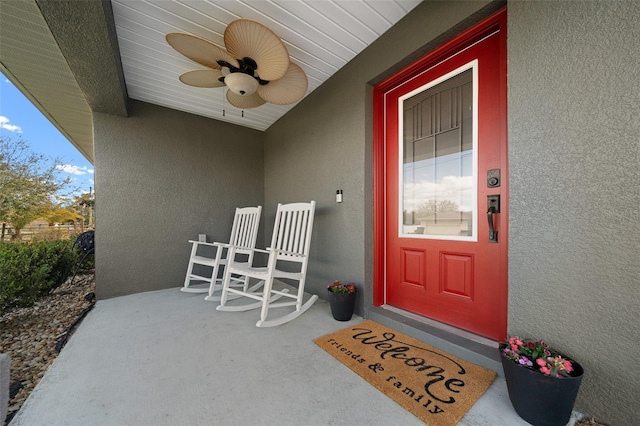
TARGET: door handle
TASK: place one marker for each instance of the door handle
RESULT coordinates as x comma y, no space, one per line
493,234
493,207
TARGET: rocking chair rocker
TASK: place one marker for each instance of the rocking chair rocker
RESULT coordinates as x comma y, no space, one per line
243,238
289,245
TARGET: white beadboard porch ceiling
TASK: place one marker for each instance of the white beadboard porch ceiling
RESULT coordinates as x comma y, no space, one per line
321,36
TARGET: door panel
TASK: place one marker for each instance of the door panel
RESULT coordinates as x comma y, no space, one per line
443,130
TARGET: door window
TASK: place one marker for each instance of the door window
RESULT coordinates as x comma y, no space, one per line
438,158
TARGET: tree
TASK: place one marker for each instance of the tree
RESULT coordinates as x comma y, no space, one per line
84,205
432,207
29,183
58,214
85,199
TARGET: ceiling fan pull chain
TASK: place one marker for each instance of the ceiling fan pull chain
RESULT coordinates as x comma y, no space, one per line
223,96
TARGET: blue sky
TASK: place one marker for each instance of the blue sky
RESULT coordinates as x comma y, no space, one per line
19,118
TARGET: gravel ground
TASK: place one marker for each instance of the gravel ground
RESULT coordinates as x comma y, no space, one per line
30,335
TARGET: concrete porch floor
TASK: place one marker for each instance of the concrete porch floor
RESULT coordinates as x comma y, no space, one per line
169,358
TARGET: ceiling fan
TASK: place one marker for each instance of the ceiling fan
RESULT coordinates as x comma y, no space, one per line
255,66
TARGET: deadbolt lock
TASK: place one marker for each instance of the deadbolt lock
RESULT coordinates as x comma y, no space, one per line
493,178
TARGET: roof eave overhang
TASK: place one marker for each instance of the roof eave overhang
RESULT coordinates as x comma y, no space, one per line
64,57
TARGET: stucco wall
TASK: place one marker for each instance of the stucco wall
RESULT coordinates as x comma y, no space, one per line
574,277
325,144
163,177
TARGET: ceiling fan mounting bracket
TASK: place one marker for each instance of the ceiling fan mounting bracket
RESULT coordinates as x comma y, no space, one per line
248,63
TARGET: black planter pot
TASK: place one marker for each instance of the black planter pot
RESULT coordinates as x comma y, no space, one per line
342,305
541,400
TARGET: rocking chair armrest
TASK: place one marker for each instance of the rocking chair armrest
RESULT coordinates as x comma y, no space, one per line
251,249
234,248
202,242
289,253
214,244
223,245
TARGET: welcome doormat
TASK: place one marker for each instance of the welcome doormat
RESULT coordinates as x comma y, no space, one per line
435,386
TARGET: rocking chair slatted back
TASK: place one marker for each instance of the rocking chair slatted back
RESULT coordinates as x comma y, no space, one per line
245,229
292,230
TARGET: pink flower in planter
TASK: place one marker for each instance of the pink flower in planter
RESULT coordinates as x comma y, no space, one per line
536,355
567,366
338,287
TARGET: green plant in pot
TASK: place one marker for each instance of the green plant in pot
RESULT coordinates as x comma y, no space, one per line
542,383
342,298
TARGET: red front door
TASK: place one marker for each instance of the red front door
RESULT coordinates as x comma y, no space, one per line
442,126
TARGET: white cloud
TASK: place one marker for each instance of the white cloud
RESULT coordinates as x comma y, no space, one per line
74,170
458,189
4,124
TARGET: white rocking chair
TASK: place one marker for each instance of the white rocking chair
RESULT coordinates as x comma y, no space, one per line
243,238
289,245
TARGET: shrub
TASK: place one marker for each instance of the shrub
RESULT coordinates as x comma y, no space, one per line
30,270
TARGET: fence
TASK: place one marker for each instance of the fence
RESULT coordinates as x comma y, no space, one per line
44,232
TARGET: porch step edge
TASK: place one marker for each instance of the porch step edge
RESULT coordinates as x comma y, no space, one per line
458,345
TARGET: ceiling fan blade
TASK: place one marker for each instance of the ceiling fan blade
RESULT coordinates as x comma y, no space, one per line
286,90
202,78
245,38
200,50
244,102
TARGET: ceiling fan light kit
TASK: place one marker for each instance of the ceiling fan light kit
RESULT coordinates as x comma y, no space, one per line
255,66
241,84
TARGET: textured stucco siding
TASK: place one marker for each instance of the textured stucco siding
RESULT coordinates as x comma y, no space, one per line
574,144
325,144
162,178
